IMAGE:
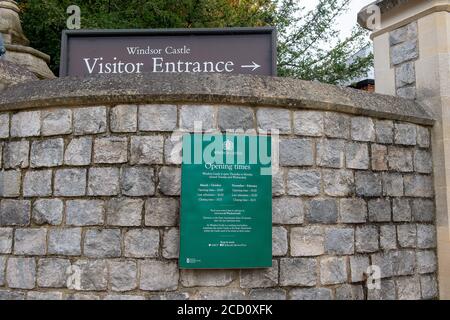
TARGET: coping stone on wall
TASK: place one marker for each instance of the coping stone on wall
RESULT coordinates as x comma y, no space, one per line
212,88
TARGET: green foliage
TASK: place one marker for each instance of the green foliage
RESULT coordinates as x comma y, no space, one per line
307,47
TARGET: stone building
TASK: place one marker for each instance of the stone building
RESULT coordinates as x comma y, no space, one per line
89,194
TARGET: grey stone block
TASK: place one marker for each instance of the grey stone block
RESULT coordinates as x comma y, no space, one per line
111,150
423,162
392,184
303,182
123,118
170,181
423,137
11,295
333,270
287,210
26,124
366,239
85,212
418,186
426,261
407,235
260,278
353,210
274,118
207,278
405,51
233,294
405,75
125,212
426,236
15,212
56,122
279,241
40,296
423,210
88,275
278,184
171,243
6,240
157,117
65,241
2,270
406,92
123,275
388,237
384,131
161,212
15,154
385,292
70,182
429,286
146,150
31,242
403,262
236,117
138,181
47,211
78,152
21,273
379,157
103,182
358,267
368,184
322,211
357,155
204,115
4,125
339,241
310,294
363,129
379,210
401,210
298,272
173,149
307,241
296,152
383,261
142,243
408,288
402,34
37,183
349,292
90,120
47,153
330,153
102,243
338,183
405,134
158,275
267,294
336,125
308,123
52,272
10,183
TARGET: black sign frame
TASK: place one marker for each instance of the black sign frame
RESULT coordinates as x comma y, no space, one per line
67,34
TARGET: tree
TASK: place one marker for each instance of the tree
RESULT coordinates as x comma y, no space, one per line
307,48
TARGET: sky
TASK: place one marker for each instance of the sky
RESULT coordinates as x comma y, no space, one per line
348,20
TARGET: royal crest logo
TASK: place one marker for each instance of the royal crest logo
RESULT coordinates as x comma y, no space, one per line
228,145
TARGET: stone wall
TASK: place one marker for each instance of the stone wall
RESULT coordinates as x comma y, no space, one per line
89,195
404,48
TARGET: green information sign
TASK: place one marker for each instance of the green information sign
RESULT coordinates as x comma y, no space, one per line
226,202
